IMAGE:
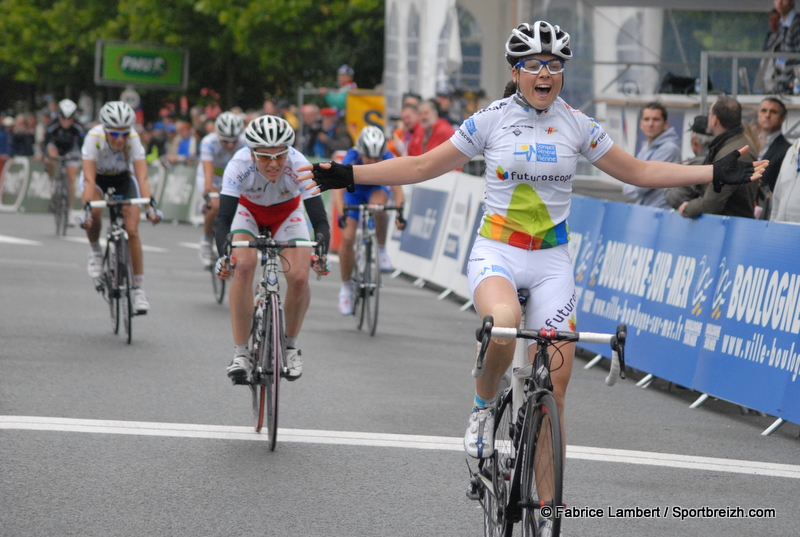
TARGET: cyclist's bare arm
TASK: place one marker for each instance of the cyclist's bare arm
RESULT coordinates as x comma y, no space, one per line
208,173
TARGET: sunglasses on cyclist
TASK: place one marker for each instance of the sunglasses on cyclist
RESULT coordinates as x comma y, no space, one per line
228,140
118,134
534,66
263,157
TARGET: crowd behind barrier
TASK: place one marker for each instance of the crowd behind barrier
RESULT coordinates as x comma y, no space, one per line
711,304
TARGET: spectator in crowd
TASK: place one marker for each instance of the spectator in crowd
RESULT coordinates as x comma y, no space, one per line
183,147
725,123
401,136
786,195
765,77
661,143
286,112
411,98
338,98
23,137
332,135
444,102
6,134
434,131
771,116
156,145
788,42
774,33
310,127
700,138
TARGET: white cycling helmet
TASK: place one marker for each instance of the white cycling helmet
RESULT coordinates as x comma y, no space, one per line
229,125
117,115
269,131
371,142
539,37
66,108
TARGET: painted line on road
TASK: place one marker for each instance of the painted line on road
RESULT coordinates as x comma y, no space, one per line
14,240
103,244
442,443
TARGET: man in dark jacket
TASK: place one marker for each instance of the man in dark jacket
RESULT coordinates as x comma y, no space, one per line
725,123
771,115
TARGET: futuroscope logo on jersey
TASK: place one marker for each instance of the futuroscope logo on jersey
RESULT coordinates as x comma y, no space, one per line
143,64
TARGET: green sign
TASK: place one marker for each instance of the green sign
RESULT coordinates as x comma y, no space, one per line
129,64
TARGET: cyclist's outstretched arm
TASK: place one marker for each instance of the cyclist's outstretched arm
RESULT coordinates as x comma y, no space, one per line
401,170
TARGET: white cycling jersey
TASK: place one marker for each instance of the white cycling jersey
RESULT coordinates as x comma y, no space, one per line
242,180
531,160
212,150
109,161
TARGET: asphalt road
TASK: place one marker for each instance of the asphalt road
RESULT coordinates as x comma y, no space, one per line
102,438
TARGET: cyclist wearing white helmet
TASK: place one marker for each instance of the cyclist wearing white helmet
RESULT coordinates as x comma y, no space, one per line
112,152
370,148
531,141
216,150
63,138
260,191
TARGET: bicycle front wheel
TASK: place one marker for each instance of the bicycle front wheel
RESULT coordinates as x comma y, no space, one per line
278,357
111,280
218,284
542,465
498,468
61,204
125,284
372,279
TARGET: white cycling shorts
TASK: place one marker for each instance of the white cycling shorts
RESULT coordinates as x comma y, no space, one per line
547,274
293,228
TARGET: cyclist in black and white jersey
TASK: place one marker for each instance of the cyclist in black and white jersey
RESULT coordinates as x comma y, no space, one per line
63,138
531,141
216,150
112,156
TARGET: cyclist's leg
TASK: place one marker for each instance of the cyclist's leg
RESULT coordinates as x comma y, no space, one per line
380,196
131,215
346,251
241,294
298,293
72,173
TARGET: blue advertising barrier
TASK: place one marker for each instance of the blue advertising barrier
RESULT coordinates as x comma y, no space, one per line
712,304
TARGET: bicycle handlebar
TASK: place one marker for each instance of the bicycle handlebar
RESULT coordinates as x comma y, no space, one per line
371,207
263,243
105,203
546,336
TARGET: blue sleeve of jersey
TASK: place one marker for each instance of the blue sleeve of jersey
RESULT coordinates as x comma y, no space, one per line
352,157
387,155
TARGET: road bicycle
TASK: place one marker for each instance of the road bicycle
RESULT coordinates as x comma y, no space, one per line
366,268
60,202
116,281
267,337
522,481
217,284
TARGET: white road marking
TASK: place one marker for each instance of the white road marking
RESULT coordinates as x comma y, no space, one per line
15,240
192,245
443,443
145,248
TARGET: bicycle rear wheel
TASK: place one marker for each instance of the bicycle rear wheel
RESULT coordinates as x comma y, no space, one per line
372,279
498,468
125,283
543,464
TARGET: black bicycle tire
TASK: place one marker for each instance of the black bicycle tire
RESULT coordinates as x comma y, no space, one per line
373,291
126,302
275,335
256,378
112,279
359,268
61,203
497,467
541,439
218,285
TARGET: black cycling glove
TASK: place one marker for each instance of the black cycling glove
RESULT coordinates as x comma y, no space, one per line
337,176
729,170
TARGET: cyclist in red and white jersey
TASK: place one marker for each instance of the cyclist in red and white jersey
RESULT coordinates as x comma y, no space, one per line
260,190
216,150
112,156
531,142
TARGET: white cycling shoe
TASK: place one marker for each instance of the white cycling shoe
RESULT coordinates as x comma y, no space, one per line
95,265
140,303
479,438
346,300
294,364
239,370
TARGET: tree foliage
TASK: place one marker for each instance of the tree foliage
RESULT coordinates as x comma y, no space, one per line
242,48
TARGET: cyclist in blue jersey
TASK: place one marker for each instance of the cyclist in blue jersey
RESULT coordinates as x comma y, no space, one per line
370,148
531,141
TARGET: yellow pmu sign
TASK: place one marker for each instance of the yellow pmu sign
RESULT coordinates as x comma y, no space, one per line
364,108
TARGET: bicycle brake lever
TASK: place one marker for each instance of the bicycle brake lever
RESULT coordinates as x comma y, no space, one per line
483,335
